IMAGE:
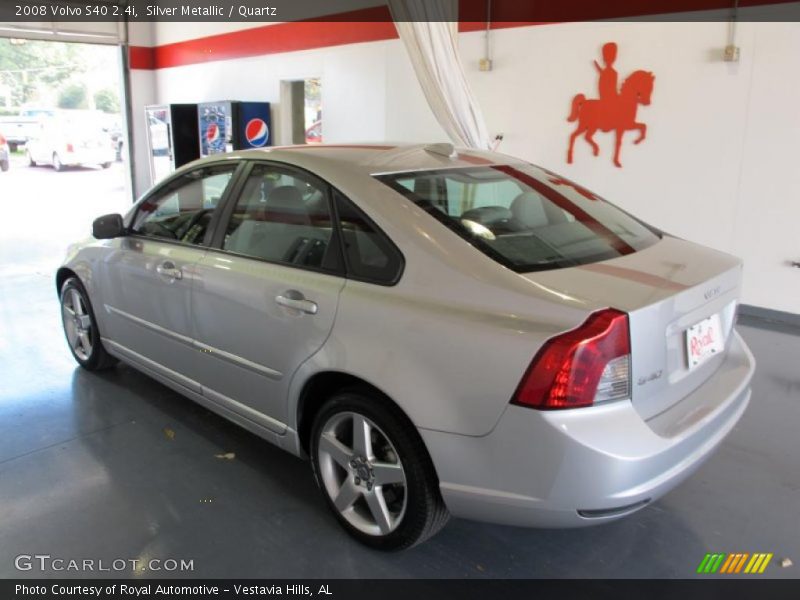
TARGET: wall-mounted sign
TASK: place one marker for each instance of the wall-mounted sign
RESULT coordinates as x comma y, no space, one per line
614,109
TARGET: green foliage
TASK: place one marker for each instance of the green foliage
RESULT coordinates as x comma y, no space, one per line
73,95
107,100
312,90
32,65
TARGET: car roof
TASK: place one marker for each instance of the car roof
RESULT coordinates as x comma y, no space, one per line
375,158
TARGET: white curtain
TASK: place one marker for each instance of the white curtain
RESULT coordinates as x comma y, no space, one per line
429,30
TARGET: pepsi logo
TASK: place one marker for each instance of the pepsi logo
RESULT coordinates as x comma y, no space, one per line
256,133
212,133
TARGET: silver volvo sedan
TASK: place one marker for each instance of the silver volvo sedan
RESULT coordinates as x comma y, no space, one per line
440,331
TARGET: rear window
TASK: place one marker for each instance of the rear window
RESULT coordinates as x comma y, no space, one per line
524,217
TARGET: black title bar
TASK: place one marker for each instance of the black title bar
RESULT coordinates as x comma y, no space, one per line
503,11
731,588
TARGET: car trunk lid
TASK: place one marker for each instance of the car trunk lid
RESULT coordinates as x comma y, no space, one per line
665,289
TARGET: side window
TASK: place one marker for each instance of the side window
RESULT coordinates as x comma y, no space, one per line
369,254
284,217
182,211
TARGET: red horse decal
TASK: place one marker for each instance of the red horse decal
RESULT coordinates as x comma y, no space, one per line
612,111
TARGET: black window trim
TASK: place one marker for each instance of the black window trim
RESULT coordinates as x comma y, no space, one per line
226,213
212,226
228,205
401,267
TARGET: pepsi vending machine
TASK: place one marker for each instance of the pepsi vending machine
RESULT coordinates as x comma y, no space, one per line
171,137
227,126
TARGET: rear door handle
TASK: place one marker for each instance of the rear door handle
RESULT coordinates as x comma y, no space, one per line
296,300
169,270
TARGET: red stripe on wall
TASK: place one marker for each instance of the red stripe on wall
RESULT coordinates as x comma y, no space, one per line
336,30
142,57
470,26
375,24
513,13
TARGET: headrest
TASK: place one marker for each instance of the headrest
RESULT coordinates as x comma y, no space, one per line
486,215
528,208
285,198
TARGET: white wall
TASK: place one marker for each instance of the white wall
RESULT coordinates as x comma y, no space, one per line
718,166
766,229
142,91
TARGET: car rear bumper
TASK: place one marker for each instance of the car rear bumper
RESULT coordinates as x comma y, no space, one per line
580,467
89,157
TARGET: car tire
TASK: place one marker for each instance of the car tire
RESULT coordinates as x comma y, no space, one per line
31,162
4,165
57,164
398,514
105,165
80,328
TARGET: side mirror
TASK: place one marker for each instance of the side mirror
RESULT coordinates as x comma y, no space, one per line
108,227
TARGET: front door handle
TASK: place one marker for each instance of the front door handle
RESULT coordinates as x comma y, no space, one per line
296,300
169,270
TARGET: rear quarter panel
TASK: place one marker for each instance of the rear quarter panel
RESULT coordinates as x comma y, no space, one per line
450,342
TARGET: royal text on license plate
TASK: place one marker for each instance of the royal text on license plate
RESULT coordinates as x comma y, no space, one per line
704,340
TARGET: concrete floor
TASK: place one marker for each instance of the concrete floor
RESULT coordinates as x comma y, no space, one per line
117,466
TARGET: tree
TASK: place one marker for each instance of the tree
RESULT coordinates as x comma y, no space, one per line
26,67
73,95
107,100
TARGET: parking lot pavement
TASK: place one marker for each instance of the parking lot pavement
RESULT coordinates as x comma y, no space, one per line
43,211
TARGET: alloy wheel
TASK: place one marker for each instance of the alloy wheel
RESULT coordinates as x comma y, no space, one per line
77,324
362,473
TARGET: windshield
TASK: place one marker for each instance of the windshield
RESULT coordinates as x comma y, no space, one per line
526,218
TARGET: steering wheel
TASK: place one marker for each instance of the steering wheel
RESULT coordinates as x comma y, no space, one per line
163,228
193,221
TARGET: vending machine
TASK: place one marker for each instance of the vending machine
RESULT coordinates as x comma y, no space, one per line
228,125
172,137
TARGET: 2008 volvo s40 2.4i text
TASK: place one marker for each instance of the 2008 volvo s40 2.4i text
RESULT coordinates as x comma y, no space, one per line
440,331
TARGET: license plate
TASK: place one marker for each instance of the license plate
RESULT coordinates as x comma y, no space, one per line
704,340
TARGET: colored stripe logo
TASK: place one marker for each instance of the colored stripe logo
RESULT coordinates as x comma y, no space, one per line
739,562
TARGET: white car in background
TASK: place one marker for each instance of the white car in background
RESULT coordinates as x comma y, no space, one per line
71,139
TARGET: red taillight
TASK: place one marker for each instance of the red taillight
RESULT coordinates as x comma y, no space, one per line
2,140
568,369
70,148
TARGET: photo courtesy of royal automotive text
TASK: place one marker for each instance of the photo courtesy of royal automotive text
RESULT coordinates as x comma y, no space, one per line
344,299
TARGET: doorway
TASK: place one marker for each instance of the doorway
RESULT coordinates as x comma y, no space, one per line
301,111
62,113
